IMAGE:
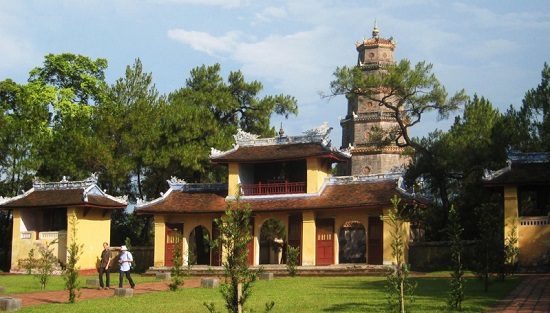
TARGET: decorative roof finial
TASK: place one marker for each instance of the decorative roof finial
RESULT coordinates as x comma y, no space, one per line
375,30
281,131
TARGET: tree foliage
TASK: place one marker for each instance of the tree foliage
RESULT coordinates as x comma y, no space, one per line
454,231
408,93
74,251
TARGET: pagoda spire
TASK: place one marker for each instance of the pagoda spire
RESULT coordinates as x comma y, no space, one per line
375,32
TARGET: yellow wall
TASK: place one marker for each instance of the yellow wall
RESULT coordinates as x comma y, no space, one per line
316,174
92,231
534,241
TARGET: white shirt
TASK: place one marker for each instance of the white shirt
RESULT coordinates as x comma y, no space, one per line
126,261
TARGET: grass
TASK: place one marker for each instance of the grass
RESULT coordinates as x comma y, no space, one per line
298,294
30,283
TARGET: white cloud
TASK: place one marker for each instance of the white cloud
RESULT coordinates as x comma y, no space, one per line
221,3
205,42
270,13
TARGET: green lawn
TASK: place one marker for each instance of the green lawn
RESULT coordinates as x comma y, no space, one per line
299,294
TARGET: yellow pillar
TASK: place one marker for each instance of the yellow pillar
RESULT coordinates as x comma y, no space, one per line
308,237
160,240
387,258
510,208
233,180
16,252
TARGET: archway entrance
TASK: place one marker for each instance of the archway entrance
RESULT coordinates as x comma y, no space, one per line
352,240
199,246
272,241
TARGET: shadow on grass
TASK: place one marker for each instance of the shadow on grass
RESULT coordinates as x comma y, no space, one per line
348,307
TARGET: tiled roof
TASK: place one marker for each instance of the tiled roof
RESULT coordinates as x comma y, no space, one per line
61,198
64,193
282,152
521,174
340,196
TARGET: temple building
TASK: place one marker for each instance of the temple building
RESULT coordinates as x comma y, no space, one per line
288,181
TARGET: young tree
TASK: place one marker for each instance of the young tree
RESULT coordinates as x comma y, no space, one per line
74,251
454,231
399,289
177,260
46,262
489,252
235,234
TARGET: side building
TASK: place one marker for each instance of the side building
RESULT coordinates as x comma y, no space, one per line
41,218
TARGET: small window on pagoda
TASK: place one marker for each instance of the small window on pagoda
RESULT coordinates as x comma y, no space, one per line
366,170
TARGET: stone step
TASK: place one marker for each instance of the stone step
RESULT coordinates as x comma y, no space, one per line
281,270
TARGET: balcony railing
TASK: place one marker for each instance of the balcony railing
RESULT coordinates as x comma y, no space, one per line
273,188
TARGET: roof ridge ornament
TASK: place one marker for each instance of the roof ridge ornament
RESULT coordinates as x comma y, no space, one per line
241,135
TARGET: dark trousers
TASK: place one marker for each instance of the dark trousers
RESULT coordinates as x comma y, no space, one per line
107,277
127,273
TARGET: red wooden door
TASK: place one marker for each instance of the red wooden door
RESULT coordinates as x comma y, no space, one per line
295,234
375,240
171,240
324,242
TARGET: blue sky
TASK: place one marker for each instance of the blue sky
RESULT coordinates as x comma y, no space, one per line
496,49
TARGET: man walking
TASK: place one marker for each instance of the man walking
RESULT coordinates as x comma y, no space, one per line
105,262
125,261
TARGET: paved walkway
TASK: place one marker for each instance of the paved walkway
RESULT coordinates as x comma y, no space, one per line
62,296
531,295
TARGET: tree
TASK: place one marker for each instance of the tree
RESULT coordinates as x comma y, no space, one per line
206,113
528,129
85,77
399,289
408,94
80,85
24,125
235,234
123,123
462,154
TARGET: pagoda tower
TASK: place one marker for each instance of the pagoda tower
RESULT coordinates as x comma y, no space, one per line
365,118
